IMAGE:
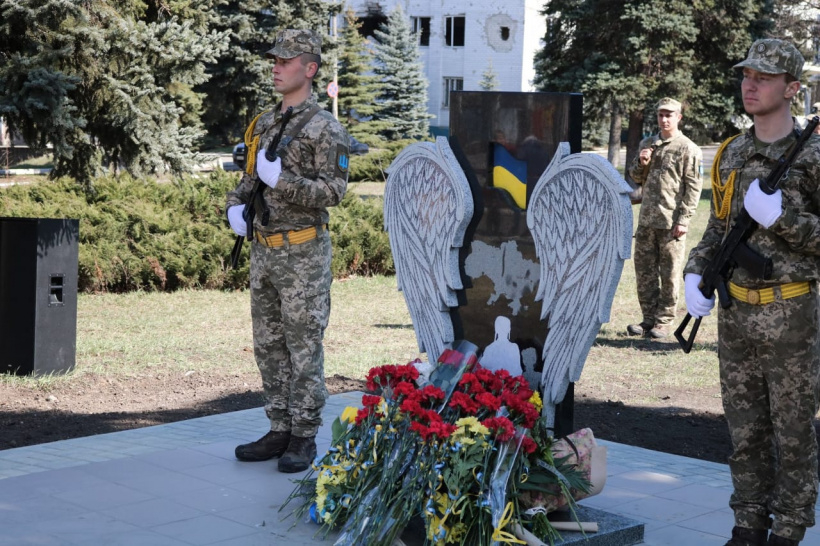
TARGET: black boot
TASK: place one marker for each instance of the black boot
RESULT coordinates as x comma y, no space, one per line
299,456
742,536
777,540
273,444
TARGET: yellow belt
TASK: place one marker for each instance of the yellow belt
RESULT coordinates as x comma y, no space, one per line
768,295
294,237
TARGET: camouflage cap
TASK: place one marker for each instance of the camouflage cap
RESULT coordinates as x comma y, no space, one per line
772,56
291,43
669,104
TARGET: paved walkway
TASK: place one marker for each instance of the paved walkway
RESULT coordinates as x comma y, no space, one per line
179,485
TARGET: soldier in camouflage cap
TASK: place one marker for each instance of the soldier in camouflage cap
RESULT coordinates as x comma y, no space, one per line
290,256
668,169
769,338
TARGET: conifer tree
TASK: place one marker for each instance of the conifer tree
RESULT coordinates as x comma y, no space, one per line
489,79
648,50
103,84
242,84
357,89
403,98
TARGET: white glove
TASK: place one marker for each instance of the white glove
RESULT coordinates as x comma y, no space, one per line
764,209
238,224
696,303
268,171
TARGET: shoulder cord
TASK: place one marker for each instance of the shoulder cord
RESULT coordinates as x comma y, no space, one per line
722,193
251,145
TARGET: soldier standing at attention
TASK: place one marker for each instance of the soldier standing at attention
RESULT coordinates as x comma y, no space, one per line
668,168
290,256
768,340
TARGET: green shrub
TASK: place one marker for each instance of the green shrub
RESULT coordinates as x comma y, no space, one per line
149,235
370,167
360,244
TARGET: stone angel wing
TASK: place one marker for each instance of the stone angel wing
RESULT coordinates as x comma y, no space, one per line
427,207
580,218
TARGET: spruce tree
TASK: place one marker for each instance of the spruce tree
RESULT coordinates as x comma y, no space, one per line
403,98
103,83
241,86
357,89
489,78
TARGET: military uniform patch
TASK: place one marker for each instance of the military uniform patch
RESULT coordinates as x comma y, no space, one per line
342,159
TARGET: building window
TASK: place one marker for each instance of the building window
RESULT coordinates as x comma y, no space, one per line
454,31
421,26
451,84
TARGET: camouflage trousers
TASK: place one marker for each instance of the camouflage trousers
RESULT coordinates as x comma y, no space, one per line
769,376
290,306
658,259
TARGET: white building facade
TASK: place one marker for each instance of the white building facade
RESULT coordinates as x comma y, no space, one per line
460,41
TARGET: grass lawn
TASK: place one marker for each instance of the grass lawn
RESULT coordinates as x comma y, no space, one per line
210,332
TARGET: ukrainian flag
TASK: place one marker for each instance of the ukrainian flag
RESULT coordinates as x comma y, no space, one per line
510,174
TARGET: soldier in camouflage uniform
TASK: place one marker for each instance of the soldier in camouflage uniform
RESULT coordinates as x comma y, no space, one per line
769,341
668,168
290,256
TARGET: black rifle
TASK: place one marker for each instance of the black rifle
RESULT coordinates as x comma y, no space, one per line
734,251
256,201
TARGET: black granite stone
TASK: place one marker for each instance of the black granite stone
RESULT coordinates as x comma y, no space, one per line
530,127
613,530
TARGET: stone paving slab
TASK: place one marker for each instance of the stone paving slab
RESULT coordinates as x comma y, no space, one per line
179,484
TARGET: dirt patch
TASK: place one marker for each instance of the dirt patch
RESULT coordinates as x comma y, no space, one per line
96,404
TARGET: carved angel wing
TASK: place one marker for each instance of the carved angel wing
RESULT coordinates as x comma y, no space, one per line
427,207
580,218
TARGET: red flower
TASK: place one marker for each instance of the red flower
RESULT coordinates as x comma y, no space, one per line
501,427
528,445
462,401
489,401
403,389
370,401
382,377
361,415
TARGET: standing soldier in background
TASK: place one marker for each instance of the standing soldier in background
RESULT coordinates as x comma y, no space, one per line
768,339
290,255
668,168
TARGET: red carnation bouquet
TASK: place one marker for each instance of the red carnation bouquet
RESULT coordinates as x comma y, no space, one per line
456,452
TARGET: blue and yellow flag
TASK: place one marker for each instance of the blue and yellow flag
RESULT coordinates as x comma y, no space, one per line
511,174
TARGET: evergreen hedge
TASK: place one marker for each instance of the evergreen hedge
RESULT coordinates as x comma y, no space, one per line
141,234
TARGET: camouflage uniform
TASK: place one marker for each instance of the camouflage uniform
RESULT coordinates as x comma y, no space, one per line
671,190
770,354
290,284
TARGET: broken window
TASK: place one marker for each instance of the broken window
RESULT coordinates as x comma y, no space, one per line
454,31
421,27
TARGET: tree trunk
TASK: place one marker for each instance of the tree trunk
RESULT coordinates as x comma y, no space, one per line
613,153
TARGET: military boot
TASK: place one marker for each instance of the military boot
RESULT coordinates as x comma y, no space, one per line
777,540
641,329
273,444
742,536
299,456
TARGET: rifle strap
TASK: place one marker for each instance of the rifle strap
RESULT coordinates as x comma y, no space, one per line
291,133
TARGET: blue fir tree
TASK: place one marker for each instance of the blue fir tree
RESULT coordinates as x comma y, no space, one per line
105,83
403,97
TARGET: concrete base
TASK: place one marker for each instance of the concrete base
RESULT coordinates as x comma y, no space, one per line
612,530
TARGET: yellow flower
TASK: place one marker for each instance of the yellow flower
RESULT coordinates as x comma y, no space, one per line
535,400
470,425
349,415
